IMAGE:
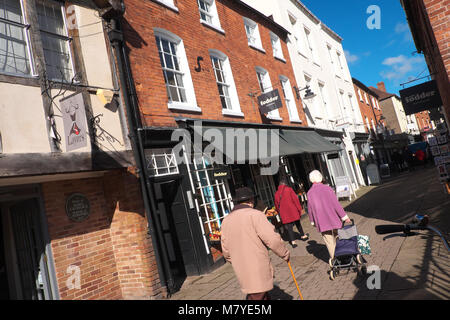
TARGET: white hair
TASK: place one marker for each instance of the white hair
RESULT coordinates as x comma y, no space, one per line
315,176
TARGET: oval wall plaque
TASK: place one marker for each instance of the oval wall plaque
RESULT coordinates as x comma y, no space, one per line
77,207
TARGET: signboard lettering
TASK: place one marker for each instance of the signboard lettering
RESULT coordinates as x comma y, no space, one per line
269,101
422,97
74,119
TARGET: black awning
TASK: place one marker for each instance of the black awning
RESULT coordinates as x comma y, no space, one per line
251,144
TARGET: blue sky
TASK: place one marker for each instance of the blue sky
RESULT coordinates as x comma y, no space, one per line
375,55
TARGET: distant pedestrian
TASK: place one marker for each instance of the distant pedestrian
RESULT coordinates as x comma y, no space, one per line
409,159
246,235
290,210
325,212
420,156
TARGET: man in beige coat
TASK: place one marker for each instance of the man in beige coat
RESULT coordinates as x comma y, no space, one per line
246,235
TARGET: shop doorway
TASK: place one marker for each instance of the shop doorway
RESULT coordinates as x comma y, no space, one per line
176,230
23,262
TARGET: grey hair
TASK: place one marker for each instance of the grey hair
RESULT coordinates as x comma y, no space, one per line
315,176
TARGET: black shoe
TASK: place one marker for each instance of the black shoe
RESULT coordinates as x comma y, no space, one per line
305,237
293,245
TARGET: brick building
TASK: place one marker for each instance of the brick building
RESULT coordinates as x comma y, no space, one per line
429,24
207,62
72,219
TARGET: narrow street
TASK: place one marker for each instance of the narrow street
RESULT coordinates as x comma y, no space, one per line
416,267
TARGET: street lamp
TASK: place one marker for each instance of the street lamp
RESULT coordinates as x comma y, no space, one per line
308,93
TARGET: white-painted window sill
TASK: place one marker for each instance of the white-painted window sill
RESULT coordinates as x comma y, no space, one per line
296,121
280,58
167,5
232,113
209,25
274,118
183,107
256,48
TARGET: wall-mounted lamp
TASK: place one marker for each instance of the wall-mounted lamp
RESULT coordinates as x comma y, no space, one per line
308,93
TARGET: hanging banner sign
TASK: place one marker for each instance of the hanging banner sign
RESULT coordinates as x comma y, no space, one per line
269,101
422,97
74,119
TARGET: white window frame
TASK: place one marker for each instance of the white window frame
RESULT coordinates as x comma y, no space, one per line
266,86
67,40
311,47
170,160
323,95
350,100
191,104
26,27
289,99
168,3
252,25
276,47
360,95
378,106
235,109
212,13
366,98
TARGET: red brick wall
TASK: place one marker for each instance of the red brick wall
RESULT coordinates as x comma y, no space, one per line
140,19
111,247
434,23
366,109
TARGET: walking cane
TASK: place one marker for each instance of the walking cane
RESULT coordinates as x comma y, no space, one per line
298,289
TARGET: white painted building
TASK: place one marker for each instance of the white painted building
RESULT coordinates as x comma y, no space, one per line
319,62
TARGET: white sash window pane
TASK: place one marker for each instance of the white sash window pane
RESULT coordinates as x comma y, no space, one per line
14,56
222,84
205,11
55,41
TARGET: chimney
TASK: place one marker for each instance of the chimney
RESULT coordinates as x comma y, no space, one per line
381,86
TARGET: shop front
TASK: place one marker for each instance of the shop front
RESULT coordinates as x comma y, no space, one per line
195,183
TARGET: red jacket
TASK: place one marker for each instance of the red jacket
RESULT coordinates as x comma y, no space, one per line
290,208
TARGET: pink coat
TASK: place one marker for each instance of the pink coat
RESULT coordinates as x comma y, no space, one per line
245,234
324,209
290,208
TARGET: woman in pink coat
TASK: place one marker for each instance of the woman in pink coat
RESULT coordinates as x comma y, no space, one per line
324,210
290,210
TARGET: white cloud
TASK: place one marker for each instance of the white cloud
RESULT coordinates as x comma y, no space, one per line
403,29
400,66
350,57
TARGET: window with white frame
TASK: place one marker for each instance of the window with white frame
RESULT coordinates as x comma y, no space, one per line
350,102
161,162
168,3
225,83
55,40
360,95
367,124
378,106
329,54
339,60
365,97
276,46
289,98
252,31
208,13
180,90
323,94
309,40
266,85
15,50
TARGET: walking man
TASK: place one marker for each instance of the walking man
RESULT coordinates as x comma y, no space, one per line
246,235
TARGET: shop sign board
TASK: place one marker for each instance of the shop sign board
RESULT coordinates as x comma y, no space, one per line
74,120
343,187
269,101
424,96
373,174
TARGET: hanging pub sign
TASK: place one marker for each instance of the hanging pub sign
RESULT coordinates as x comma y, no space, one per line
74,119
269,101
422,97
77,207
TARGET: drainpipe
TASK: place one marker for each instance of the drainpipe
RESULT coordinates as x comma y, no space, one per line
162,262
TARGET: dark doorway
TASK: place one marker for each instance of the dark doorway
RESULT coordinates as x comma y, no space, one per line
23,252
4,290
176,230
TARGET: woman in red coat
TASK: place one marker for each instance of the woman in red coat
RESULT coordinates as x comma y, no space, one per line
290,210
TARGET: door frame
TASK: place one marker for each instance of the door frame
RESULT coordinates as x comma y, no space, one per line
34,191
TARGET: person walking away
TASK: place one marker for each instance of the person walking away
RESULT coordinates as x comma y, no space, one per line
420,155
409,159
290,210
324,211
246,234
